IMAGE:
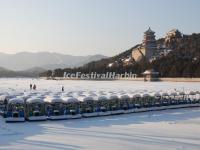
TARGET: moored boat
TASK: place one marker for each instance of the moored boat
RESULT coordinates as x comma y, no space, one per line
88,107
103,104
71,110
55,108
114,102
15,111
35,109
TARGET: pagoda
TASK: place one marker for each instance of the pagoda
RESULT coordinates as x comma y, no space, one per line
148,47
149,43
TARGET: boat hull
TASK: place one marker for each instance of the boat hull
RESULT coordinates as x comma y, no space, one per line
64,117
11,119
129,111
106,113
37,118
117,112
94,114
77,116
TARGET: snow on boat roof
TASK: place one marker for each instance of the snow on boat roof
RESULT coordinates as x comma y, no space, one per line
125,97
165,94
146,95
53,96
197,92
182,93
54,100
39,96
24,96
35,100
103,93
92,94
88,98
173,94
101,98
81,96
192,93
70,100
113,97
16,100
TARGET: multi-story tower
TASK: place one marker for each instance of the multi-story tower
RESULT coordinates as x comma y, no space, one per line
148,47
149,43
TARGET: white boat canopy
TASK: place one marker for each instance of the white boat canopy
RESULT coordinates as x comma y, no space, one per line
39,96
173,94
146,95
88,98
54,100
70,100
124,97
34,100
192,93
25,97
165,94
197,92
181,93
113,97
102,98
16,101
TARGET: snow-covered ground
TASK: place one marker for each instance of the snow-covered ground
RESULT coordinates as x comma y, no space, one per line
20,85
165,130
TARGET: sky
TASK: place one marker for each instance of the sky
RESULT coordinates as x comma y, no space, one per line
87,27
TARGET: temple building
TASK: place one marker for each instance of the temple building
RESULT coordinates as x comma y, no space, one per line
148,47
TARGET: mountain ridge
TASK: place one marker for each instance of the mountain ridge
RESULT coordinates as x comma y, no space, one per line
47,60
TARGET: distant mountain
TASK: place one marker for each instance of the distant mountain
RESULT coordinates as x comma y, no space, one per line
5,72
33,72
46,60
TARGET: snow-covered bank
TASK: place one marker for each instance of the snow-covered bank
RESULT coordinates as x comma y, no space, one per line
20,85
169,129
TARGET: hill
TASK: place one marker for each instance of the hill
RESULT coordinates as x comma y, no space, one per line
179,57
33,72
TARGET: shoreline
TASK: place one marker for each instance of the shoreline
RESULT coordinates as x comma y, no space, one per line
132,79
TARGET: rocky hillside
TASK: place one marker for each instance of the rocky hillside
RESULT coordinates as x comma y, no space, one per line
183,61
179,56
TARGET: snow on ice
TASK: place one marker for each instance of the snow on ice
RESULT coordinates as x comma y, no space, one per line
166,130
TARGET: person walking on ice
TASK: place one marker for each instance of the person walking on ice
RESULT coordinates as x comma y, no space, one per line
63,89
31,86
34,87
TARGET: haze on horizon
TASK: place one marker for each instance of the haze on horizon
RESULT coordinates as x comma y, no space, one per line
86,27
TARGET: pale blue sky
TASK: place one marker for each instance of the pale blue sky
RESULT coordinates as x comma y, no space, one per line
84,27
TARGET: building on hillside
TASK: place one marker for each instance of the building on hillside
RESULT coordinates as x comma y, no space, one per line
174,33
148,47
151,75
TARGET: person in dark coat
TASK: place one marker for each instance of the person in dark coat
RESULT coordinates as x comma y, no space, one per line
34,87
31,86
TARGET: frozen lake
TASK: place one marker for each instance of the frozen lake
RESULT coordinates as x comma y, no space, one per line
11,84
166,130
